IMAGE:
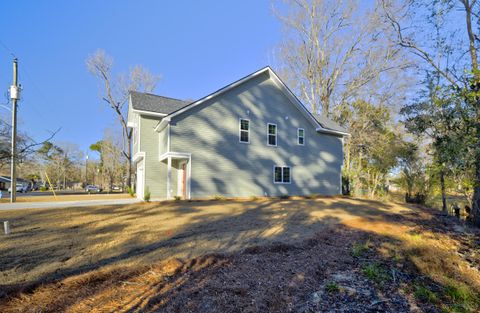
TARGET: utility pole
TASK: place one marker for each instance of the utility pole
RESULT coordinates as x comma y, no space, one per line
15,96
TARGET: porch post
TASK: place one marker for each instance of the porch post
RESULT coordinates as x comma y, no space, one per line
169,177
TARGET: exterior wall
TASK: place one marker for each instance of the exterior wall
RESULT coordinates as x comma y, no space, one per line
162,140
155,171
136,133
223,165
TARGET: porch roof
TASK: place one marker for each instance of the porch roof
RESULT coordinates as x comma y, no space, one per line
175,155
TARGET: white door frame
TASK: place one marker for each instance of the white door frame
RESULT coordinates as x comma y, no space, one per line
140,179
185,157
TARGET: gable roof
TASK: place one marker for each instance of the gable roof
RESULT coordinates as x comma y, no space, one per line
142,101
321,123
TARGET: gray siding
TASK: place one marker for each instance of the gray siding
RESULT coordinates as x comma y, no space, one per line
222,165
155,171
163,141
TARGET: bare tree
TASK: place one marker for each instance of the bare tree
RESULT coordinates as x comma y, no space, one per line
448,55
333,50
61,162
116,91
112,165
26,146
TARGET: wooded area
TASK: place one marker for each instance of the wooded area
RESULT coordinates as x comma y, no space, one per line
403,77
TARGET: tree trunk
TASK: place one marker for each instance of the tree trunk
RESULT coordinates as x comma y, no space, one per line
444,195
471,35
476,191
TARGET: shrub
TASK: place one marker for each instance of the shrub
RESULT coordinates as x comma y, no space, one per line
131,191
146,196
375,273
461,295
218,197
253,198
284,197
418,198
359,249
424,294
43,188
177,198
332,287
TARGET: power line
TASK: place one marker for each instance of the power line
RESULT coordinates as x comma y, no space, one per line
7,49
25,71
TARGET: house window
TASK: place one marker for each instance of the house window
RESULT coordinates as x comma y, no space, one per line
244,135
271,134
301,136
281,175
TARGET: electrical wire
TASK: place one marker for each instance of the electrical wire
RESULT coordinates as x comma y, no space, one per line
7,49
23,70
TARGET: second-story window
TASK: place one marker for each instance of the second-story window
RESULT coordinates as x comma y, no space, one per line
244,135
301,136
271,134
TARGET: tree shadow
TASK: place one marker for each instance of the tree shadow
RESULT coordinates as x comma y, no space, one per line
239,230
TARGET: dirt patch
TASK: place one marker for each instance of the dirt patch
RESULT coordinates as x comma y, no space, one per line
323,255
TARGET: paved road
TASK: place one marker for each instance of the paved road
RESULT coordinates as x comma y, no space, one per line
57,192
65,204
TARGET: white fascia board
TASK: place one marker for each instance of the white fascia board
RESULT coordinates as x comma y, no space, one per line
149,113
129,116
220,91
301,107
289,94
138,156
332,132
162,124
175,155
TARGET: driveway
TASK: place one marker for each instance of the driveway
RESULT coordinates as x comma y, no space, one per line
65,204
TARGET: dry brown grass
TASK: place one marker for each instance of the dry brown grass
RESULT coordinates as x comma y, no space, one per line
116,257
68,197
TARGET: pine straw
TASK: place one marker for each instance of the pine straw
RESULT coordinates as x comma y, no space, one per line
420,248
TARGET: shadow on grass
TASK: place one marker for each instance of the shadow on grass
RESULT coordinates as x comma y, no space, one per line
279,266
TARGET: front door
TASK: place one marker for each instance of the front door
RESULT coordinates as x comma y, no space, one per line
184,180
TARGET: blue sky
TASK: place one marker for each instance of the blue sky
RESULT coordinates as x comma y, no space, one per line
196,46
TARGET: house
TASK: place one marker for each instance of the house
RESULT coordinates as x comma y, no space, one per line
6,182
250,138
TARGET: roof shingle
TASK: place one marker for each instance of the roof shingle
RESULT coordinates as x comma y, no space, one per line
153,103
328,124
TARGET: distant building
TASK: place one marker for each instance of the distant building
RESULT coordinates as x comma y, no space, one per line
6,181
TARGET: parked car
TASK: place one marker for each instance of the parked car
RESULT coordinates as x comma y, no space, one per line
20,188
116,188
92,188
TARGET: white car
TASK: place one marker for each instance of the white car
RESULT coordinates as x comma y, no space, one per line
92,188
20,188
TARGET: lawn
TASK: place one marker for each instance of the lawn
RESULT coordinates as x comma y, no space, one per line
263,255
